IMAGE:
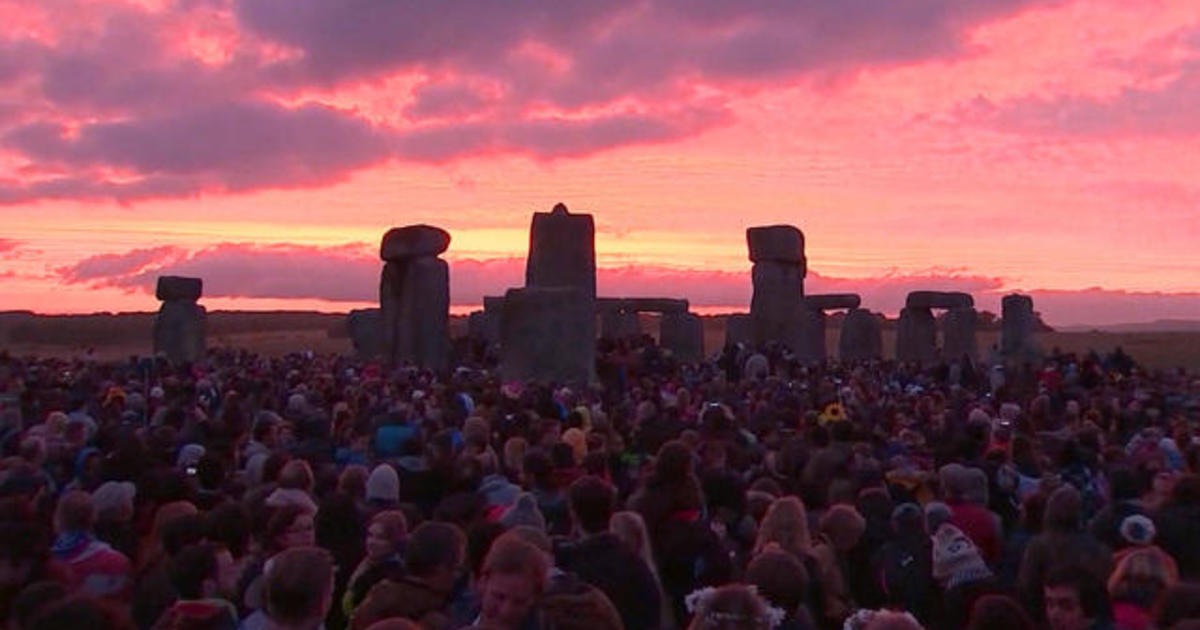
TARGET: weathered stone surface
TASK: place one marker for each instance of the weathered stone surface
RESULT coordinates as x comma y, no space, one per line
683,335
738,329
413,241
179,331
365,327
1017,326
414,298
958,333
562,251
775,308
776,243
484,326
643,305
178,288
916,336
619,324
811,345
861,337
832,301
939,299
548,334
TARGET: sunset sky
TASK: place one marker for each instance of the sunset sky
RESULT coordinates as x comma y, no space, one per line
266,145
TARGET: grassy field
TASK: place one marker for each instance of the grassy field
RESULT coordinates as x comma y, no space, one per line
117,337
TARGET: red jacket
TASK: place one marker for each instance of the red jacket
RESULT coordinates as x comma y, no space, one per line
982,527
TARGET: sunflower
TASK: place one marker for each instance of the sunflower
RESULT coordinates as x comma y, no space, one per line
833,412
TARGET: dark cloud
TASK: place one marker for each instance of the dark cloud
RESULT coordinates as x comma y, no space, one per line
105,267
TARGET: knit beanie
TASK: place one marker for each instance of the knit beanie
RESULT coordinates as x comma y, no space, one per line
936,513
1138,530
524,512
955,558
383,484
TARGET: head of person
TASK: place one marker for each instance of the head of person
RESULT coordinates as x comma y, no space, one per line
353,481
1064,510
630,529
386,535
785,524
998,612
780,577
892,620
435,553
296,475
1142,577
591,501
290,526
203,571
298,588
730,607
1075,599
75,513
513,578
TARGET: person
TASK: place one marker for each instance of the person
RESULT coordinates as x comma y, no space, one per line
298,590
959,567
1075,599
1061,542
782,581
566,602
96,568
385,541
999,612
905,564
630,529
731,607
600,559
201,575
513,578
432,562
1137,584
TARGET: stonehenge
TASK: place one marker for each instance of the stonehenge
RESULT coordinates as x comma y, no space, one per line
737,329
776,307
682,333
179,327
862,336
365,327
562,251
916,330
414,296
1017,327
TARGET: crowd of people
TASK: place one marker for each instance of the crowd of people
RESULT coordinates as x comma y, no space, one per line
749,492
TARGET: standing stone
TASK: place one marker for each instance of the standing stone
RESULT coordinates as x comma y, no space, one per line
776,307
548,334
619,323
683,335
562,251
414,296
939,299
179,327
916,336
365,327
811,347
861,338
737,329
1017,326
958,331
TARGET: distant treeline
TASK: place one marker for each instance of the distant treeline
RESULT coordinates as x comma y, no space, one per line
100,329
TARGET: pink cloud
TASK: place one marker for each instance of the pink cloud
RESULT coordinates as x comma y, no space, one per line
350,274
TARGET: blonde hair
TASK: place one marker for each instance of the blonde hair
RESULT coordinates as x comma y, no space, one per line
785,524
631,530
731,607
1142,573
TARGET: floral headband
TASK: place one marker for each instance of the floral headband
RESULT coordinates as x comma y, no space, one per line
697,603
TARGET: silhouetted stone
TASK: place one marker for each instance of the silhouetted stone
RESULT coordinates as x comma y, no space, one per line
683,335
738,329
958,331
178,288
775,307
939,299
776,243
811,345
833,301
617,323
414,297
562,251
179,327
1017,327
916,336
365,327
413,241
643,305
548,334
861,337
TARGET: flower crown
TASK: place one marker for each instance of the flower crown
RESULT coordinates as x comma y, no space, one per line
697,603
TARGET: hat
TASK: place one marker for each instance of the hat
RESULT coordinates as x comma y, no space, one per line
1138,530
955,557
524,512
499,491
189,455
383,484
114,495
936,513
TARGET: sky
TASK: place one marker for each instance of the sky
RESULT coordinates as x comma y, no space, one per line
990,146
